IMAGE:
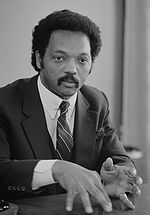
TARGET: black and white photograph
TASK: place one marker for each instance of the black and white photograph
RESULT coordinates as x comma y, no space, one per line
74,107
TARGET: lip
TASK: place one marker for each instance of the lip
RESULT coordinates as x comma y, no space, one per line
69,80
69,83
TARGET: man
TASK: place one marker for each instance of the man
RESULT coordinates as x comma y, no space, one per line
55,132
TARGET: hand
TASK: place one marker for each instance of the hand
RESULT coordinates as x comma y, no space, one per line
119,180
79,180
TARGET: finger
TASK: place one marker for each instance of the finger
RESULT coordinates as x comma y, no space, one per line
99,196
136,182
137,191
139,181
123,197
108,164
98,192
69,200
99,185
135,185
133,189
86,201
131,174
131,171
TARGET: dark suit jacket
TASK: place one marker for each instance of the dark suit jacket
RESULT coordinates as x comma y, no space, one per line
24,138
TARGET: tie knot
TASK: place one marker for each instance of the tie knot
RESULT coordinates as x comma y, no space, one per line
64,107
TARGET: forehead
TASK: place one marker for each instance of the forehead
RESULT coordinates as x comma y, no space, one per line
69,41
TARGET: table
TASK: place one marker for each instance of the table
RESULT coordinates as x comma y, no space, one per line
55,205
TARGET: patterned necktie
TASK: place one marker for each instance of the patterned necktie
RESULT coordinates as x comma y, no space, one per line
64,140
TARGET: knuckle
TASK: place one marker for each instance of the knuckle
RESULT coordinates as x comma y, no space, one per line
97,180
96,192
84,194
101,199
72,193
85,198
139,180
123,197
96,175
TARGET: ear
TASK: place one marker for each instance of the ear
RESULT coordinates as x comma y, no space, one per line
38,59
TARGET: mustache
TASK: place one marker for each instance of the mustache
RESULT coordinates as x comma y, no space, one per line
68,77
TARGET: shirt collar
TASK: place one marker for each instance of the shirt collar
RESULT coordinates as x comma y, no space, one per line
51,102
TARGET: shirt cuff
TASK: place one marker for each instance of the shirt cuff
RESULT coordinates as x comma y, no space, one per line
42,174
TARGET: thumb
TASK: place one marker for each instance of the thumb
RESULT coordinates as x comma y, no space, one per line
108,164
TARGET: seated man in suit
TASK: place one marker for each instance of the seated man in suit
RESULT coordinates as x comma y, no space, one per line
55,132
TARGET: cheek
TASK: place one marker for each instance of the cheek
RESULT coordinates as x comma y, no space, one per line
48,76
83,77
84,73
51,72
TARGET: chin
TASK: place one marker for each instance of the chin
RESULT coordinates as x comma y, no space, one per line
68,95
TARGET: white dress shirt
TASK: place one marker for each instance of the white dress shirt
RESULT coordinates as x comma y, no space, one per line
42,174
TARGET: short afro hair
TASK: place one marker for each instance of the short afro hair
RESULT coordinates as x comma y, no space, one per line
64,20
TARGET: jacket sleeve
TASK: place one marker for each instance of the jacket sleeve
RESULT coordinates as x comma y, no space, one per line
111,145
15,175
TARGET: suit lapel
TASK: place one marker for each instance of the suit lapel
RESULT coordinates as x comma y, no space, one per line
85,132
35,124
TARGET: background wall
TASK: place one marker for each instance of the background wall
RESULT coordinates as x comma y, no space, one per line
17,19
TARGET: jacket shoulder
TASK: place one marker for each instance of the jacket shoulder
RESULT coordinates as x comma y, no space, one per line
94,96
14,91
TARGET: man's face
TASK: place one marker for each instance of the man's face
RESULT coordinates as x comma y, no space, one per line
66,63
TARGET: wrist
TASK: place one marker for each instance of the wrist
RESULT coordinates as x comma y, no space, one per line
57,170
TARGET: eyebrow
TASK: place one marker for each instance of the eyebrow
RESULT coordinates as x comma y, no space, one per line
63,52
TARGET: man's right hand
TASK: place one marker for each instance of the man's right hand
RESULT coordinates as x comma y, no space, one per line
79,180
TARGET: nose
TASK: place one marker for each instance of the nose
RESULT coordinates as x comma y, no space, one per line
71,67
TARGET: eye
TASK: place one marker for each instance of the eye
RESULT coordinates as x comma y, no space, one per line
83,60
59,58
